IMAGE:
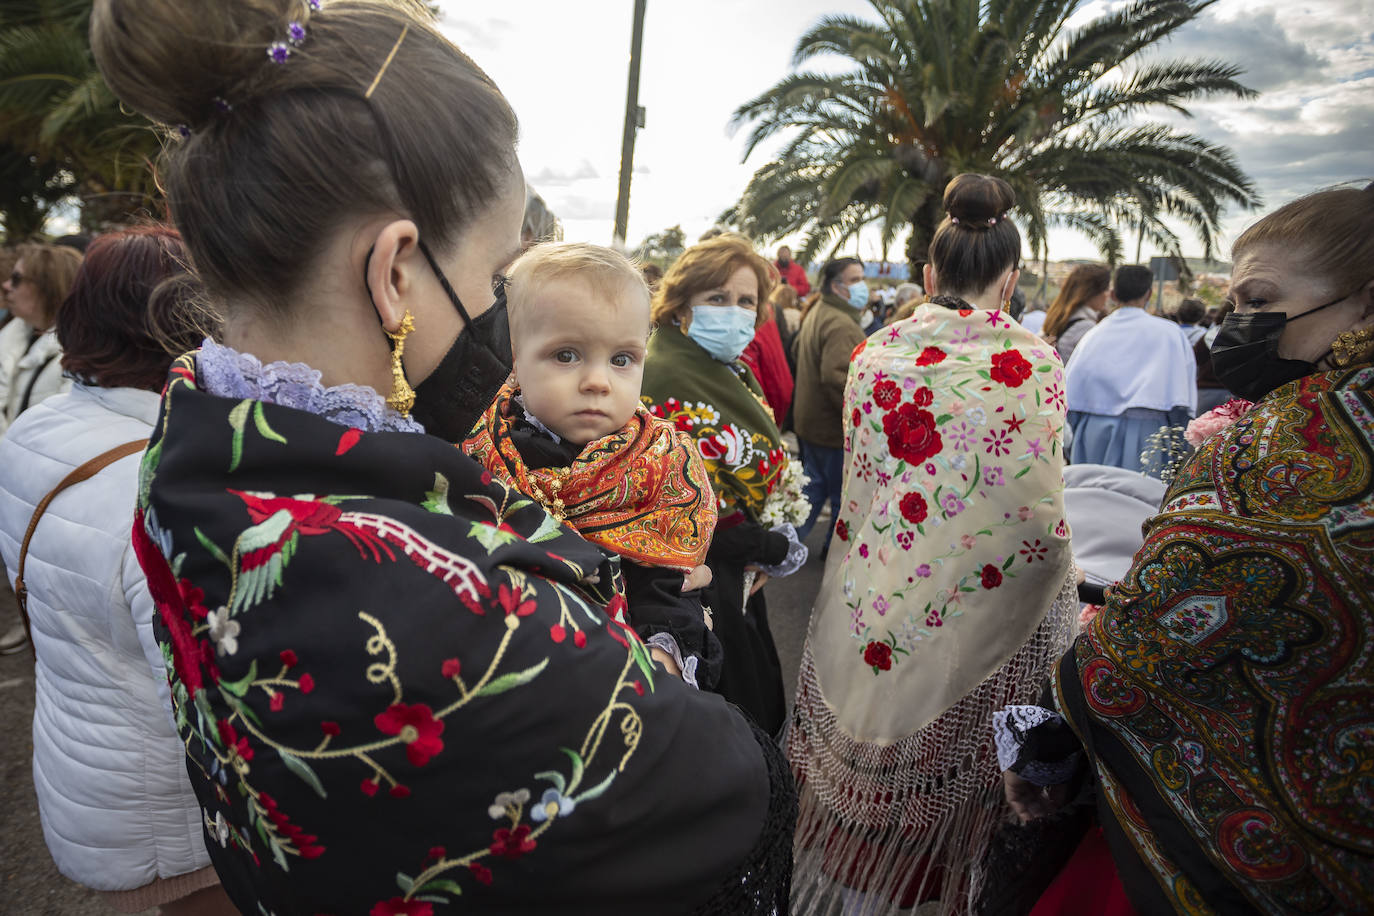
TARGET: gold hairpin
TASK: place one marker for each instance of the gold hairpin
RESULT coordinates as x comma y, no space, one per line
387,63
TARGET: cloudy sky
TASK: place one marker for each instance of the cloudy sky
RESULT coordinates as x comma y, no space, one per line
563,66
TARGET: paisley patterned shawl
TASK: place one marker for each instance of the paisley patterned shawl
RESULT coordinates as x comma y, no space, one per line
722,409
951,544
1226,693
405,688
641,492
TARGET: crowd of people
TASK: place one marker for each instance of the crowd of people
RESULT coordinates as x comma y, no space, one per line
379,553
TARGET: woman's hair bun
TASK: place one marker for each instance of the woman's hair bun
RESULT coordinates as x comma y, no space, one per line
978,201
172,60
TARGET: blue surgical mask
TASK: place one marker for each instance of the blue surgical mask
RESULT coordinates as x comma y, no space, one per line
722,330
858,294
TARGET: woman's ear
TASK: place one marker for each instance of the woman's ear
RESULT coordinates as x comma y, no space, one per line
391,271
928,274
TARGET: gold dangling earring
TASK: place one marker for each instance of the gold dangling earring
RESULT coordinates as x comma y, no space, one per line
1352,345
402,396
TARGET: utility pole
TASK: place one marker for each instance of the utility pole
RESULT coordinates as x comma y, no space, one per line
634,119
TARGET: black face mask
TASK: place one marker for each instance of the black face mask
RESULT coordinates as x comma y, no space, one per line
453,397
1245,354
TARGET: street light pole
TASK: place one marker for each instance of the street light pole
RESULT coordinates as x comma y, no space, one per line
634,119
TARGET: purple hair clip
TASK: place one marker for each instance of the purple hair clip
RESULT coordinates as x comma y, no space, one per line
184,131
315,6
279,52
222,106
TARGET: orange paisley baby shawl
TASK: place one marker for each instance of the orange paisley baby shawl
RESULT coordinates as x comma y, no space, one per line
641,492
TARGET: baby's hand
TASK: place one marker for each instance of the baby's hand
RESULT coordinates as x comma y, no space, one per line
666,660
699,577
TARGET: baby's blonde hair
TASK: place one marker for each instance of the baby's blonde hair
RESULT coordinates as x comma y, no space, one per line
608,272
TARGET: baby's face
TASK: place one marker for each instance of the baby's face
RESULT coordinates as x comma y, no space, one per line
579,358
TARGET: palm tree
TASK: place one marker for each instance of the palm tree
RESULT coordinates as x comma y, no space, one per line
57,113
1004,87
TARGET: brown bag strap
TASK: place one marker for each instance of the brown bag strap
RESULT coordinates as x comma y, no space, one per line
87,470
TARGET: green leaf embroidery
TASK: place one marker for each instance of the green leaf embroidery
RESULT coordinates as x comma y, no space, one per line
238,419
554,777
436,500
442,884
511,681
1007,565
577,766
548,529
213,548
264,430
943,418
1021,473
405,882
597,790
240,687
490,536
302,769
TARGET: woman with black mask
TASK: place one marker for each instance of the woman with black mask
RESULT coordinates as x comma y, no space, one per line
402,686
1222,696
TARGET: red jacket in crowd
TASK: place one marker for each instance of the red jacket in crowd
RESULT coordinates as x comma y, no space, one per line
794,275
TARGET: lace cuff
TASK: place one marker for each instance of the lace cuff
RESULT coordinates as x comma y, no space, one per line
688,665
796,553
1030,743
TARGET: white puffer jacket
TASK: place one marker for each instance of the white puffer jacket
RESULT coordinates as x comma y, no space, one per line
110,772
30,372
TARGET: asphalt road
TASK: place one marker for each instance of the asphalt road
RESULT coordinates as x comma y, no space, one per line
30,883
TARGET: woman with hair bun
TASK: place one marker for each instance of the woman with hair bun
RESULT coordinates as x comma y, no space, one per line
403,687
950,590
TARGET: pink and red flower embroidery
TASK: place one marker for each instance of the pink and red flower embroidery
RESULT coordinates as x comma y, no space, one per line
930,356
1010,368
992,576
399,906
416,726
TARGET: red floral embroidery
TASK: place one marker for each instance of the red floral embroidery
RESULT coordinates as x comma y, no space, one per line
855,417
886,394
1010,368
930,356
232,741
330,727
194,598
276,702
348,440
416,726
450,668
368,787
579,639
288,658
911,434
923,397
512,844
841,530
879,655
510,602
992,576
557,632
480,872
399,906
307,683
914,508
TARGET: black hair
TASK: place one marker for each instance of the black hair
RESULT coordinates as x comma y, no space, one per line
1132,282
